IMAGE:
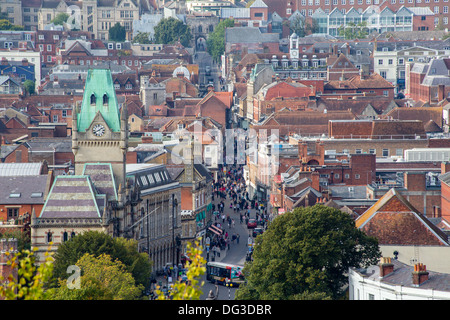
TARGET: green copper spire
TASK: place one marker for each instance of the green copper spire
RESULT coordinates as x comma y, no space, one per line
99,96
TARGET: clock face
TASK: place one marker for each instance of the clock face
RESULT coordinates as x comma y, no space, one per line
98,130
294,53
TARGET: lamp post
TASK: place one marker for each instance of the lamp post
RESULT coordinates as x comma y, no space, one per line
174,223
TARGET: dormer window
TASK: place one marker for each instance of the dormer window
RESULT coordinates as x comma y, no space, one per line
105,99
93,99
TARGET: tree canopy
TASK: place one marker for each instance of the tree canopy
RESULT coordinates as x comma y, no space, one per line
354,31
102,279
142,38
6,25
305,254
60,18
97,243
216,40
171,30
117,33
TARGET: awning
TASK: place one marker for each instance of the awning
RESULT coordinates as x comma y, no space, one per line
211,229
216,229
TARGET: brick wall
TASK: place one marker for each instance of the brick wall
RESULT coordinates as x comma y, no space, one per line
9,245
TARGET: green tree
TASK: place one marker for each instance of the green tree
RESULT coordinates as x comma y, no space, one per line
28,86
60,18
102,279
117,33
216,40
297,25
171,30
6,25
191,288
97,243
306,254
354,31
142,38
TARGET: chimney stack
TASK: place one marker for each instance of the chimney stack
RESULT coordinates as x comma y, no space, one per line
386,267
445,167
420,274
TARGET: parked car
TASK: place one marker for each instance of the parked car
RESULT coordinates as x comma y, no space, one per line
251,223
257,231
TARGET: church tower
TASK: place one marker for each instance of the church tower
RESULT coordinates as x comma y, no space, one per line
99,128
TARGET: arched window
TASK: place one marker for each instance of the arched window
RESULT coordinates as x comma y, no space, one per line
72,235
200,29
93,99
65,236
49,237
105,99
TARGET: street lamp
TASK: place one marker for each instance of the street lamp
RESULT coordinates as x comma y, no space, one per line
174,224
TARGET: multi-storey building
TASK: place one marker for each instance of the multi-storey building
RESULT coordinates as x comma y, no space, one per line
428,81
93,16
391,57
286,8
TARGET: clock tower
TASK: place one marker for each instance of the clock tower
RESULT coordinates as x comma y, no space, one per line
99,128
293,46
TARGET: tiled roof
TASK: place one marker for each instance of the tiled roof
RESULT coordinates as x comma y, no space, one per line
71,197
393,220
417,113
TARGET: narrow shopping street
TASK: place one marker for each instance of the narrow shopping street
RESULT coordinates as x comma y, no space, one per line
236,251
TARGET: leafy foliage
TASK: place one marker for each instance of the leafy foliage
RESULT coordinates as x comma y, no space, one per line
171,30
60,18
102,279
6,25
191,289
305,254
354,31
216,40
28,86
142,38
31,282
98,243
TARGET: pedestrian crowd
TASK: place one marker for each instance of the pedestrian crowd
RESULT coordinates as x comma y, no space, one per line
231,185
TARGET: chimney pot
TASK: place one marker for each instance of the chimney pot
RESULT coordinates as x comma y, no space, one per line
386,267
420,274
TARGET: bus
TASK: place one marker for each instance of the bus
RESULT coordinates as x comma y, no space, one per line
219,272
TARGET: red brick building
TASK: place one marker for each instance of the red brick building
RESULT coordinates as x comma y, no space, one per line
445,190
429,82
360,85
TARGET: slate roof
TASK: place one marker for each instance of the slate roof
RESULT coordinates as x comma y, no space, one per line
149,176
71,197
249,35
31,188
402,276
101,175
63,144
